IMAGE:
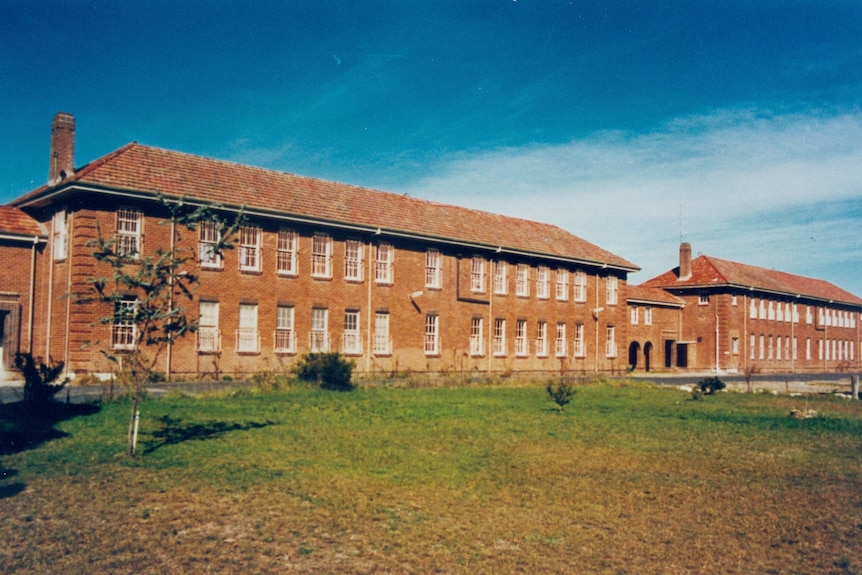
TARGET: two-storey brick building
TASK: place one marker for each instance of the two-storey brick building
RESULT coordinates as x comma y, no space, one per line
395,282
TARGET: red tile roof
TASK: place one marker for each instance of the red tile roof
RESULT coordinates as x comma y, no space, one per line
655,295
15,222
708,271
150,170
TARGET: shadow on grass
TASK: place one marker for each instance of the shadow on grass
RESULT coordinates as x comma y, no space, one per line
175,431
24,426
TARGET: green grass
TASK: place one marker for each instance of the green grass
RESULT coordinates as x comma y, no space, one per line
627,479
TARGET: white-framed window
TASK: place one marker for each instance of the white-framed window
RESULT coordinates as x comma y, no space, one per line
560,343
795,313
477,274
319,336
770,351
522,280
477,345
634,312
779,312
611,285
285,333
382,342
778,348
753,347
383,268
353,260
287,260
733,300
249,248
542,338
562,290
703,299
247,338
124,330
499,336
787,347
611,343
129,230
762,311
752,308
209,234
432,334
762,348
60,234
580,348
771,311
788,314
208,334
521,338
433,269
809,316
543,282
351,340
321,256
580,286
501,277
648,315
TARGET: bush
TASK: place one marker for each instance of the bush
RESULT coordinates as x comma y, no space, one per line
562,395
269,380
710,385
329,370
39,386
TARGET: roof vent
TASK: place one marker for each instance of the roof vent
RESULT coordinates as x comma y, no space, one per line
62,162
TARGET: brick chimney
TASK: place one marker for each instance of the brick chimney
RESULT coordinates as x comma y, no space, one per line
684,261
62,148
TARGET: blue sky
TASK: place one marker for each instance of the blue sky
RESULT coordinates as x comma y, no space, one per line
736,126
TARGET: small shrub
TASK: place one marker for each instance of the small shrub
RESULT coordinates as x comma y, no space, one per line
269,380
329,370
39,386
710,385
561,395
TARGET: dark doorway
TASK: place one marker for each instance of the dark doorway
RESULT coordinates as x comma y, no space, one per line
647,353
682,355
634,351
668,353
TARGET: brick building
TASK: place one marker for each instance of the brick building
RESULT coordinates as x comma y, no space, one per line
738,317
397,283
655,329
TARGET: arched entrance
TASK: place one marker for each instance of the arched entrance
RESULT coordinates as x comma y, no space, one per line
634,351
647,354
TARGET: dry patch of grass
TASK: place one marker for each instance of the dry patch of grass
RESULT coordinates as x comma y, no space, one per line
627,479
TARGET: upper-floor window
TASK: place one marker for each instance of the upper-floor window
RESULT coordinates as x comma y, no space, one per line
703,299
59,234
477,274
580,286
779,312
129,224
634,314
288,249
209,234
733,300
752,308
321,256
433,271
648,315
612,284
285,333
383,269
562,285
353,260
522,280
762,310
249,248
501,279
247,338
477,341
543,281
771,310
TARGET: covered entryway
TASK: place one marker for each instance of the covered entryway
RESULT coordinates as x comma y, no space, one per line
647,354
634,352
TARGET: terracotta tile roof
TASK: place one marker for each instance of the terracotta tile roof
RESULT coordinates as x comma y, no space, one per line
655,295
15,222
150,170
709,271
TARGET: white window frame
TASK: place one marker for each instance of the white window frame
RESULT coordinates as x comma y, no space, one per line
383,268
209,234
611,290
611,342
321,256
562,290
432,334
579,344
477,339
521,345
560,343
543,282
501,277
130,223
522,280
634,312
318,337
433,269
124,331
499,337
580,287
249,248
648,315
287,254
285,331
351,338
541,338
477,274
353,260
208,334
247,336
382,341
60,235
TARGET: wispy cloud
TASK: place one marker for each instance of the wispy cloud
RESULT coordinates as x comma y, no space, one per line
734,183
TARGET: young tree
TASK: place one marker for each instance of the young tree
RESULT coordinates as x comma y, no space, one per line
149,295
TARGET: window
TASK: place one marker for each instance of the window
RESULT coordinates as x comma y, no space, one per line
319,336
501,280
562,285
247,340
648,315
499,336
809,317
321,256
351,339
734,345
560,344
60,235
778,348
124,331
543,280
477,275
476,340
521,338
762,346
209,234
788,315
285,336
779,312
611,283
703,299
787,347
249,248
353,260
383,270
433,275
432,335
733,300
762,311
808,349
753,347
382,343
771,311
580,348
770,350
209,336
580,286
522,281
611,344
542,339
288,249
634,315
752,309
129,224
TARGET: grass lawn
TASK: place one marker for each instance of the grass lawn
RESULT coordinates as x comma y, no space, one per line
629,478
